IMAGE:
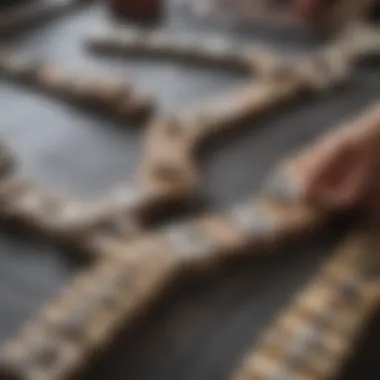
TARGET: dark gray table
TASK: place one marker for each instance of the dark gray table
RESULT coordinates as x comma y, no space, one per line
204,326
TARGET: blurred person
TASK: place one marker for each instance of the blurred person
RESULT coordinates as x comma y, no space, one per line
137,9
342,170
327,15
335,14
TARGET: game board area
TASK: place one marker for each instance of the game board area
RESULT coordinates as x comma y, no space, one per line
204,326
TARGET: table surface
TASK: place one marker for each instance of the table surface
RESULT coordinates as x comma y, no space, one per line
201,330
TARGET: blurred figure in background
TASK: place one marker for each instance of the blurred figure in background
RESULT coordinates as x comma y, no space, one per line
335,14
327,15
137,9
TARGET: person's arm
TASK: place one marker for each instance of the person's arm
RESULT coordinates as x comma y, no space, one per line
342,170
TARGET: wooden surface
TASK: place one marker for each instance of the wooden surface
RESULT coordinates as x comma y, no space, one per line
204,327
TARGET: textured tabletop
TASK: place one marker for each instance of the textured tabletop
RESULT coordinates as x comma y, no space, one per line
203,328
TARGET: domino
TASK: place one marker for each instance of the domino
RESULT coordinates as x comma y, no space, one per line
312,338
81,225
326,70
44,211
18,67
265,62
362,42
333,65
114,95
247,103
166,166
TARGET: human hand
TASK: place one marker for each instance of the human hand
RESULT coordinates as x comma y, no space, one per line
341,171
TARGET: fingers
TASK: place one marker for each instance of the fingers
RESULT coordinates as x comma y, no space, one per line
339,170
324,170
352,186
342,178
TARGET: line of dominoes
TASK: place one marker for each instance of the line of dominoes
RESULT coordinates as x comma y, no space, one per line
314,336
355,43
159,44
86,317
111,95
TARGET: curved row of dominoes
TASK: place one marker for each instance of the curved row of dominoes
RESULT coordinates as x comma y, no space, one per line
79,325
170,142
113,96
87,315
255,226
71,222
79,224
167,172
312,338
53,215
90,312
361,41
215,51
81,321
